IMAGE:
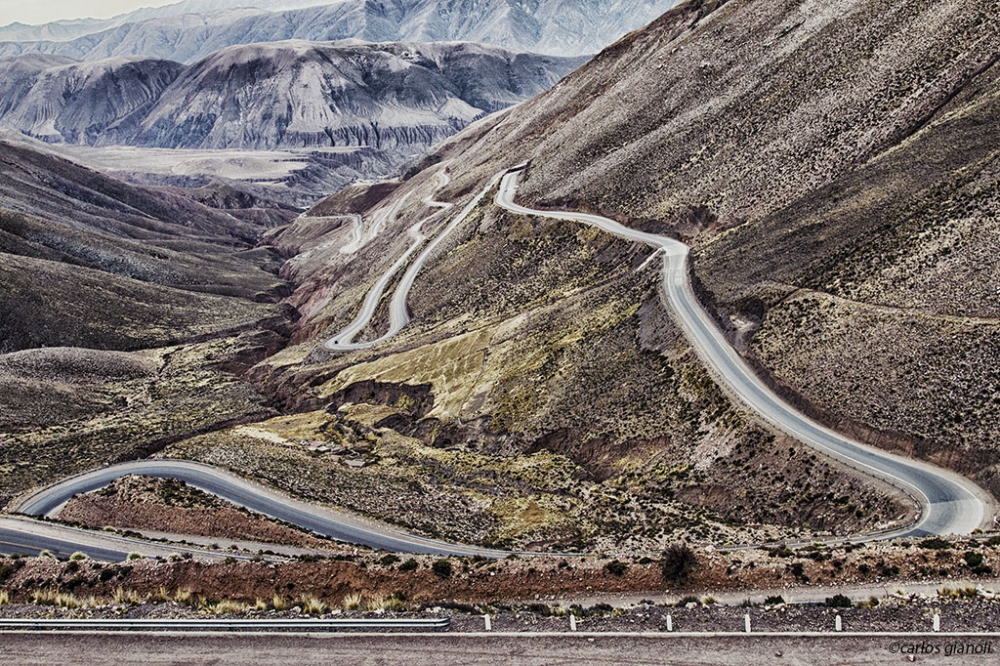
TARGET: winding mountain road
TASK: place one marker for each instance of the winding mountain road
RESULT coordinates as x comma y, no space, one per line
338,525
398,313
949,503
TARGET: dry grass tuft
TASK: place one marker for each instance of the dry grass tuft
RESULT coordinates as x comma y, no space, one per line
313,606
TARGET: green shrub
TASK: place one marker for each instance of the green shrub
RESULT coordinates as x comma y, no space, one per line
616,568
935,543
540,609
972,558
839,601
408,565
8,569
678,562
442,568
781,551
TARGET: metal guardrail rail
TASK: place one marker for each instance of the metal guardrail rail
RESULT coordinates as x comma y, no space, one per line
313,625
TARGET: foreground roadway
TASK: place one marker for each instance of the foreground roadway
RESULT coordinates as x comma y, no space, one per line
522,649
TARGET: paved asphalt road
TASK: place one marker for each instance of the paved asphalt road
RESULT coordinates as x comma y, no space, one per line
24,543
343,341
399,316
454,649
950,504
334,524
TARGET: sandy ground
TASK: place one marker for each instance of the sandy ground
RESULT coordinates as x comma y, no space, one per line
510,649
234,164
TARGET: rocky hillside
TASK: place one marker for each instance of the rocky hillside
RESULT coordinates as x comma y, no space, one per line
192,30
60,100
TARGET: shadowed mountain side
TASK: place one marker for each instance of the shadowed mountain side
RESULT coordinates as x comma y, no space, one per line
44,303
102,264
223,271
42,185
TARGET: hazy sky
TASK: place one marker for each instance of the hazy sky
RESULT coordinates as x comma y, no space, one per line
43,11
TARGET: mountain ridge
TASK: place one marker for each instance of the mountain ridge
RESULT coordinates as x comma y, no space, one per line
401,97
551,27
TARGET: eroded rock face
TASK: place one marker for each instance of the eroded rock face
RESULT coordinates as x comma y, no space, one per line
393,97
397,99
62,101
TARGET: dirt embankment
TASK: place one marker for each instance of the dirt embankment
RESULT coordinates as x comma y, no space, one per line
372,578
167,505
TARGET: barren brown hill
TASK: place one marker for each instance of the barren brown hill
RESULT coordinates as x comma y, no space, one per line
125,313
90,261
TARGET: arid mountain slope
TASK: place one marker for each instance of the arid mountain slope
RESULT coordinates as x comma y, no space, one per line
535,336
93,262
876,297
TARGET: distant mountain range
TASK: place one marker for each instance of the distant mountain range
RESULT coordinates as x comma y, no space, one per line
191,30
400,98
